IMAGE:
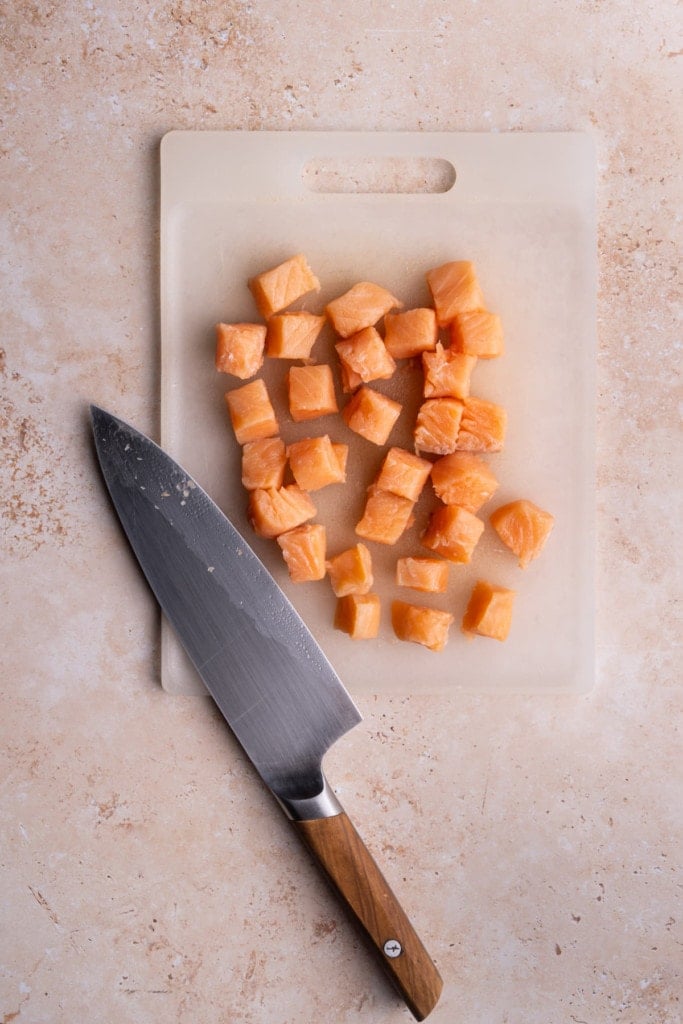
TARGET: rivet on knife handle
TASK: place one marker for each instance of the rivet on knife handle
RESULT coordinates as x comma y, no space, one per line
353,873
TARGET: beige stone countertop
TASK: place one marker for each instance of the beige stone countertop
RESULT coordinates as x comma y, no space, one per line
537,841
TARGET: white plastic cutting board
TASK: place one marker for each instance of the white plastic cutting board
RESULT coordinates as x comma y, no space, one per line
522,208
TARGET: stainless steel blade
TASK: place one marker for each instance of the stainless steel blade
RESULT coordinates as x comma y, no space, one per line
275,687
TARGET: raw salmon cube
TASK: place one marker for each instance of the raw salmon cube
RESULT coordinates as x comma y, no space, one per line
350,380
385,517
251,413
447,373
437,425
303,550
524,528
463,479
477,333
452,532
311,392
361,306
293,335
454,289
363,358
410,333
275,289
342,453
403,473
263,463
358,615
314,463
419,625
489,611
371,415
273,511
427,574
239,349
350,571
482,427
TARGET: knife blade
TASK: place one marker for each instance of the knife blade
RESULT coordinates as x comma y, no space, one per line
271,681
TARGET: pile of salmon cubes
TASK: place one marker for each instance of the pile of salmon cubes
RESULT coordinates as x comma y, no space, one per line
453,432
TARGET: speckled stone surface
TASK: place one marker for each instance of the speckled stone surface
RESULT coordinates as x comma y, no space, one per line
145,874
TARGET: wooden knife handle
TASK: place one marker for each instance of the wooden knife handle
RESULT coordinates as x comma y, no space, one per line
360,884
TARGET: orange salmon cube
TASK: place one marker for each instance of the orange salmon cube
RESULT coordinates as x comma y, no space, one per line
361,306
385,517
489,611
239,349
273,511
303,550
482,427
350,571
429,575
419,625
447,373
263,463
403,473
292,335
463,479
251,413
410,333
358,615
371,414
524,528
311,392
314,463
452,532
350,380
454,289
363,358
477,333
437,425
275,289
342,453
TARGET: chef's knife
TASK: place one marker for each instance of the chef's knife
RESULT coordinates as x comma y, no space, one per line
268,676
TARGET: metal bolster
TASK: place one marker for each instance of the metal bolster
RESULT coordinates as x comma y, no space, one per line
323,805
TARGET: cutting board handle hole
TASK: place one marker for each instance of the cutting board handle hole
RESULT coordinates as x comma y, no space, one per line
388,175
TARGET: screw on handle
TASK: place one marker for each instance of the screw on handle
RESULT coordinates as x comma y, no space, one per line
392,948
353,873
